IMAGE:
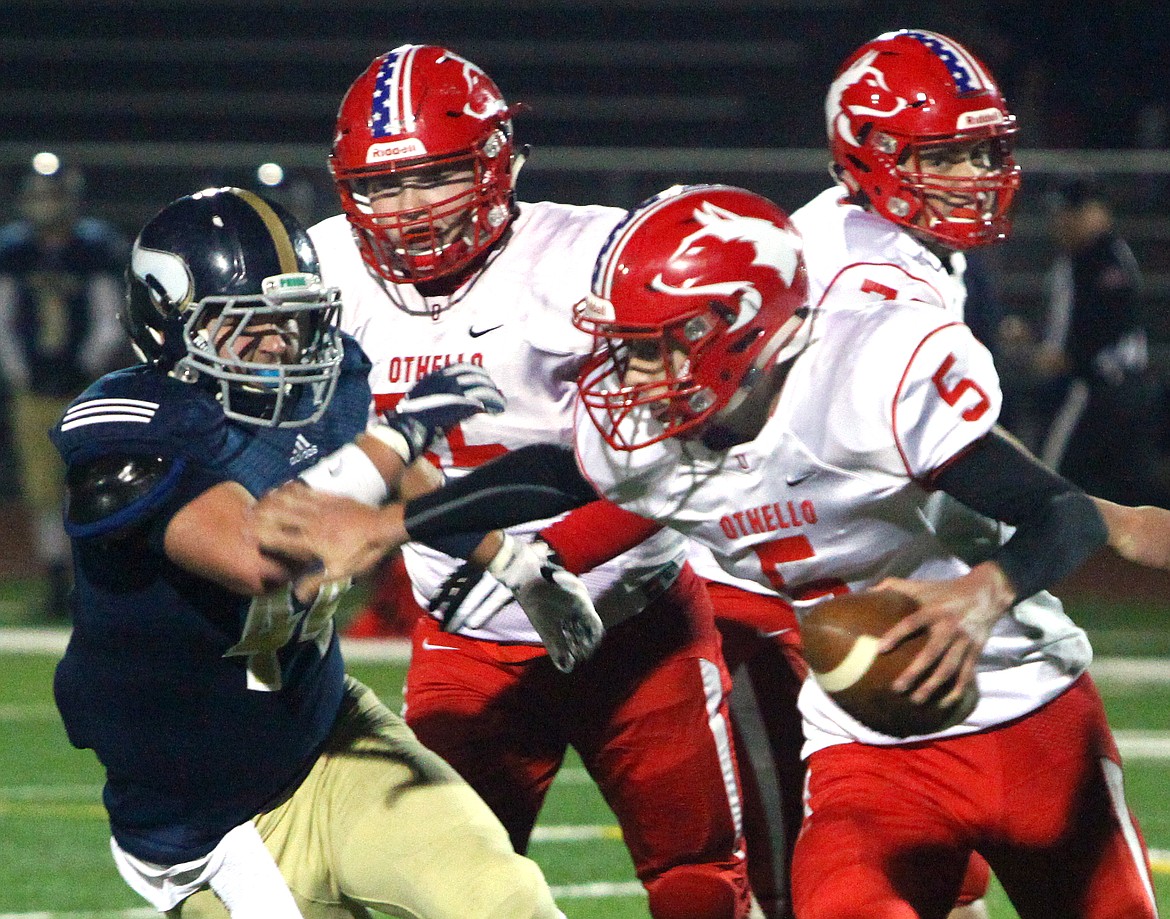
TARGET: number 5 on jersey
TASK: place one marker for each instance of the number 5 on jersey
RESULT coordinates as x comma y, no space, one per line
794,549
952,393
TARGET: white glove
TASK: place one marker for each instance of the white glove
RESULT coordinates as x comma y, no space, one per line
554,600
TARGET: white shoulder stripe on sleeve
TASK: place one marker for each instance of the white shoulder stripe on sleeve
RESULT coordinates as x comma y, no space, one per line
105,411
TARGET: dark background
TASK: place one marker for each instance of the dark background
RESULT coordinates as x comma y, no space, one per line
157,98
154,99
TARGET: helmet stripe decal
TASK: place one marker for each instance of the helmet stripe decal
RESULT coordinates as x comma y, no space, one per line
283,243
406,104
608,261
967,73
392,109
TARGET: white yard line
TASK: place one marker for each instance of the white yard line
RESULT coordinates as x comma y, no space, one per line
137,913
575,832
1131,669
1143,744
53,641
28,711
397,650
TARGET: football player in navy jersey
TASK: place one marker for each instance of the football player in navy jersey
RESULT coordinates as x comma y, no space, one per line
208,680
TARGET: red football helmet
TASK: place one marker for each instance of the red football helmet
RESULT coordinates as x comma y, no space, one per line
706,282
910,90
417,107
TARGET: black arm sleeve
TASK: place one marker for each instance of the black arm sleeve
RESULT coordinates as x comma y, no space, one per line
1057,525
532,483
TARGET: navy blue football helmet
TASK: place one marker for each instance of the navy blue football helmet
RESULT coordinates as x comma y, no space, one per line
214,275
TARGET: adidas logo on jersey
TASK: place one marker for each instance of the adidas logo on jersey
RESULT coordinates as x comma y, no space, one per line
303,450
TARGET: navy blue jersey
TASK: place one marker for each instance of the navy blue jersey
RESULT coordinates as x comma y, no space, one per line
203,705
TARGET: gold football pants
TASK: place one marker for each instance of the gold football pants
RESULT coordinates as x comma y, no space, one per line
381,823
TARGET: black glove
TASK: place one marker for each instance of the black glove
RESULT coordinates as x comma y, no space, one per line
441,400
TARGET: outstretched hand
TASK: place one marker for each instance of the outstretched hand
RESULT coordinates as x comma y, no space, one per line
347,537
958,616
439,401
1138,534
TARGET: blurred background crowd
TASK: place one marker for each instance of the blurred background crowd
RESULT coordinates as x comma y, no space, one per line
131,103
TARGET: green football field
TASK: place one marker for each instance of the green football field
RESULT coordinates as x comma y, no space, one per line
55,861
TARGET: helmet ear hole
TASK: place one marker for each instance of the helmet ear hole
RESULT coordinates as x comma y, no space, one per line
723,311
858,164
745,341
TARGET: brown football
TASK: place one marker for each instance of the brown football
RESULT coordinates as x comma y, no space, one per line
839,637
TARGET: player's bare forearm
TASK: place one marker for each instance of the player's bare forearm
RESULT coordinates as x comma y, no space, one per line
1138,534
347,536
420,478
958,615
212,537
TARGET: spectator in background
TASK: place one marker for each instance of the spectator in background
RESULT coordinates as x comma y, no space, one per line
1090,366
60,290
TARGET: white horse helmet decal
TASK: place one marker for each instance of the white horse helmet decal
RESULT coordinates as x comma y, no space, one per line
774,247
482,100
861,71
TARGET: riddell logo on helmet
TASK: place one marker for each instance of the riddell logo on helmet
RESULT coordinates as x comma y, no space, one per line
979,119
396,150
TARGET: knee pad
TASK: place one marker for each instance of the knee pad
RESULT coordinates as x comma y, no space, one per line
698,892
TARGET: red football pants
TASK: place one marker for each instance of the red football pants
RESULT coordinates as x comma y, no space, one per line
888,830
761,644
648,716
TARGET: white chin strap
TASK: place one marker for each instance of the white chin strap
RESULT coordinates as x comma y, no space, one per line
791,338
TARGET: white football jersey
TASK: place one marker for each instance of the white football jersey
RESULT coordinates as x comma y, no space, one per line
828,497
854,256
515,320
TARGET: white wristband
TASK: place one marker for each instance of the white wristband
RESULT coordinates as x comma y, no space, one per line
392,439
348,472
504,560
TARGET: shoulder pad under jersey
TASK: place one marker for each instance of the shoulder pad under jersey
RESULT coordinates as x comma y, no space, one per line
141,412
109,493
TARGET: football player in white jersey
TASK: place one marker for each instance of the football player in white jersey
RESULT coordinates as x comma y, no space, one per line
917,184
810,474
803,455
437,263
920,138
921,141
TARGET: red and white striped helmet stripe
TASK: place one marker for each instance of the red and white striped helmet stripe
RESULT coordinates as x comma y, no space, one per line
610,257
